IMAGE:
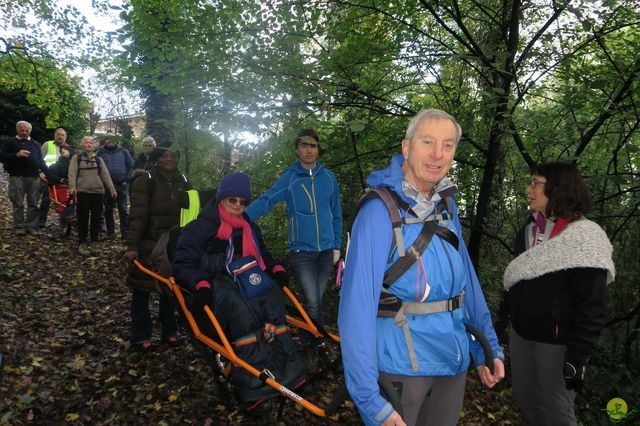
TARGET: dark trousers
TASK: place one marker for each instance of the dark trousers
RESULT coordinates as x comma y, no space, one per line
141,317
430,400
121,203
45,202
21,188
538,382
89,205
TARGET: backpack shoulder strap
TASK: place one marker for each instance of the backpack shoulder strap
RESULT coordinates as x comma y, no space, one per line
408,257
79,157
392,202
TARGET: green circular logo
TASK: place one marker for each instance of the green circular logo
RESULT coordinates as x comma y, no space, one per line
617,409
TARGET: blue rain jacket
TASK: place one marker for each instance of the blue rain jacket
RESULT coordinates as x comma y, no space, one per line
313,207
369,343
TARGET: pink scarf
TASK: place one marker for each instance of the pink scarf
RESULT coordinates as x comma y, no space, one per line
228,223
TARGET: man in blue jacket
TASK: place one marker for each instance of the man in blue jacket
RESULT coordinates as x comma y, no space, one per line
120,165
424,349
314,219
23,161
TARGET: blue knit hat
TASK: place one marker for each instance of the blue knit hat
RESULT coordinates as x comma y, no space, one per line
235,184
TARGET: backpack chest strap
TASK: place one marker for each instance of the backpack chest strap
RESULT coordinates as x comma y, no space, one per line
413,253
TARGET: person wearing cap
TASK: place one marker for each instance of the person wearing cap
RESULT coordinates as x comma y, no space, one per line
154,211
314,219
207,255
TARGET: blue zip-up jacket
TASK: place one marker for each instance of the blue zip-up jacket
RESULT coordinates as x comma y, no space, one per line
118,162
313,207
371,344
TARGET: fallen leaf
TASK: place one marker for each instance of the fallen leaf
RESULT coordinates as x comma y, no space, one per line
72,417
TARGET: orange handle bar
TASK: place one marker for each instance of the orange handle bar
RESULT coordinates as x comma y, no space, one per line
226,349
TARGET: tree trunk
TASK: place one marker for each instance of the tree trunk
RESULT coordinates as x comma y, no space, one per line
161,116
502,80
354,145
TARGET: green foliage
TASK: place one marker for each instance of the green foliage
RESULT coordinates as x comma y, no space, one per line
46,88
528,82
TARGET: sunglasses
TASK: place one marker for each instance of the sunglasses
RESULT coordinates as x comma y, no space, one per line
234,200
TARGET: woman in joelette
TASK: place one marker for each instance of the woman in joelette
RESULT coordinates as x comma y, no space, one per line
221,258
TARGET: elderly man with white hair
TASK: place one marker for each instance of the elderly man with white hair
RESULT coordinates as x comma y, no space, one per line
407,295
143,163
23,161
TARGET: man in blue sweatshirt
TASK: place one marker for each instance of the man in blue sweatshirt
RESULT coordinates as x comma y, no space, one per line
314,219
23,161
418,342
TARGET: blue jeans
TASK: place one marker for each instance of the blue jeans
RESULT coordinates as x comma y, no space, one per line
312,270
121,203
141,317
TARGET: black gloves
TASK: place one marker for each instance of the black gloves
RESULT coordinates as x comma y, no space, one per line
281,277
203,296
574,375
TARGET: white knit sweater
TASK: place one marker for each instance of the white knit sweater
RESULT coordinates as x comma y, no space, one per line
583,244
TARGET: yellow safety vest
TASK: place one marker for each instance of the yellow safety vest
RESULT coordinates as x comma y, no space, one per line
191,213
51,156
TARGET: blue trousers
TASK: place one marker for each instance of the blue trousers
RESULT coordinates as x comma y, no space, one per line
121,203
312,271
141,317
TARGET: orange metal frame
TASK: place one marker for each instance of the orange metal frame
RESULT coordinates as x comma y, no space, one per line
225,349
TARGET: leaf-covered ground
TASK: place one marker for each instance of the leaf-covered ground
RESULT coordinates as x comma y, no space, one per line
64,322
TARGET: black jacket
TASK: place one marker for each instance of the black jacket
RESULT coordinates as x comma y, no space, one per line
567,306
154,211
23,166
201,256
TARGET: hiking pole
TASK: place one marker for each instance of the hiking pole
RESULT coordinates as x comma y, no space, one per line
484,343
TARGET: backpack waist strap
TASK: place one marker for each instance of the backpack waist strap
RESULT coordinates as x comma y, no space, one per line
392,307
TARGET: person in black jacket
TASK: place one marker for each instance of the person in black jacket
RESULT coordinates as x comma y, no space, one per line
23,161
556,295
154,211
144,161
219,245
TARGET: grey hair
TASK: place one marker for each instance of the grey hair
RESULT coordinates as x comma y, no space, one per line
149,139
25,123
431,113
85,138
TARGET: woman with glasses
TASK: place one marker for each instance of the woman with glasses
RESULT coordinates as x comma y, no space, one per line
221,258
154,211
556,295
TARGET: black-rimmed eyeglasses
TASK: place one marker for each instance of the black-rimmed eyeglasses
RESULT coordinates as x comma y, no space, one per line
534,182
